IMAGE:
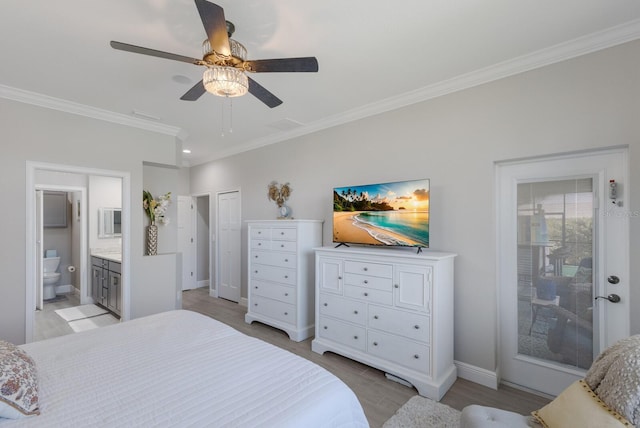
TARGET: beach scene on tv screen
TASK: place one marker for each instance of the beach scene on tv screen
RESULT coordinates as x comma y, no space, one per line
382,214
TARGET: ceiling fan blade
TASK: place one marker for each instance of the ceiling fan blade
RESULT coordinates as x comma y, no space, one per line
215,25
304,64
152,52
194,93
263,94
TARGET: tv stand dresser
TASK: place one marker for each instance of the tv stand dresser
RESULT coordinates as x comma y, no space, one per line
389,308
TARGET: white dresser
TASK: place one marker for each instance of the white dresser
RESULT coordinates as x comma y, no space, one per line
389,308
281,274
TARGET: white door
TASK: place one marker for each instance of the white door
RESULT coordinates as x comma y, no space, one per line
562,241
186,241
39,252
229,249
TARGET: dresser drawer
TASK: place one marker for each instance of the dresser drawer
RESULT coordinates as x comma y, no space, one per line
279,292
260,244
366,268
399,350
368,295
342,332
260,233
273,273
273,309
345,309
284,234
407,324
274,258
368,281
291,246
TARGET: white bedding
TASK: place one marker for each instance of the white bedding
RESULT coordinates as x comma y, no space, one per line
182,369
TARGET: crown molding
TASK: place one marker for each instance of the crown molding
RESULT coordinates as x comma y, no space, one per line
67,106
571,49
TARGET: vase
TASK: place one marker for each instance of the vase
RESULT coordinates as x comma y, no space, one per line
152,240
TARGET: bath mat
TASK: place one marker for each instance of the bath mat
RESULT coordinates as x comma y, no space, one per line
80,312
93,322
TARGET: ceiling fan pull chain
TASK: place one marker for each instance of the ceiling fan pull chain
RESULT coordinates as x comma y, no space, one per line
222,120
230,115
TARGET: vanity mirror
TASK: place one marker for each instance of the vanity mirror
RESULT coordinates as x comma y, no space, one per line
109,222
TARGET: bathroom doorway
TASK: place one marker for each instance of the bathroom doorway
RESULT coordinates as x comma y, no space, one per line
64,232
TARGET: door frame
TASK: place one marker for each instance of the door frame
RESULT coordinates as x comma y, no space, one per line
196,197
30,267
215,293
600,272
192,263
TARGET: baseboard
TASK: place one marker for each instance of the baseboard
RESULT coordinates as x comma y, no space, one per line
63,289
477,375
203,283
244,302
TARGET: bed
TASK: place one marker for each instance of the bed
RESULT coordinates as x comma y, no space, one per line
181,369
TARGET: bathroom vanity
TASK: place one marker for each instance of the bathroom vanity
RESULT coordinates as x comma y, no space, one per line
106,283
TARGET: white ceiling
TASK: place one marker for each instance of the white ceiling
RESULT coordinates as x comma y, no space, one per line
373,56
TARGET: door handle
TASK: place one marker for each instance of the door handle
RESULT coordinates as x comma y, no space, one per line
613,298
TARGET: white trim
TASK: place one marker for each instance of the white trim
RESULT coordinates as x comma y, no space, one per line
67,106
30,169
477,375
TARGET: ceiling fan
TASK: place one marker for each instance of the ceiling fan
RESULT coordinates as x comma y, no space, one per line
225,61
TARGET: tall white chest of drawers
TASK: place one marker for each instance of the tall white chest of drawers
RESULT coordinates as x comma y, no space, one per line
391,309
281,274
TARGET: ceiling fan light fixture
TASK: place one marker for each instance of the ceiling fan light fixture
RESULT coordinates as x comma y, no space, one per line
225,81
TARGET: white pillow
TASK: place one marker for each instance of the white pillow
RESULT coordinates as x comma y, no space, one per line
18,383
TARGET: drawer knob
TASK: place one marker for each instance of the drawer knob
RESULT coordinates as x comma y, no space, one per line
255,304
281,245
255,257
286,294
396,286
416,356
355,312
286,260
375,343
339,277
375,317
355,337
366,294
286,313
259,232
255,271
325,327
365,269
326,304
256,287
281,233
365,281
417,327
286,276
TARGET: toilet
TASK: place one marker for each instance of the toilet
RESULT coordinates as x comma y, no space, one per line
50,277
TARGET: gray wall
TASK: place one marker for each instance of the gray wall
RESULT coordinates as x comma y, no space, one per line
587,102
31,133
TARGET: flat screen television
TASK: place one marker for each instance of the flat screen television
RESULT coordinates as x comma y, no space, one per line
385,214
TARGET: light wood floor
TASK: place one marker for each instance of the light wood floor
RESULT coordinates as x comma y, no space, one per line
380,397
48,324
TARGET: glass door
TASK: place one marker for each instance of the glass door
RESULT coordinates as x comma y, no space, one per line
555,274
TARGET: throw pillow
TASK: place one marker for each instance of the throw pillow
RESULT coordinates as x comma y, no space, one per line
18,383
579,406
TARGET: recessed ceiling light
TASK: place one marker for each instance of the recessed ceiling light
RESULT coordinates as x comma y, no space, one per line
179,78
187,151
